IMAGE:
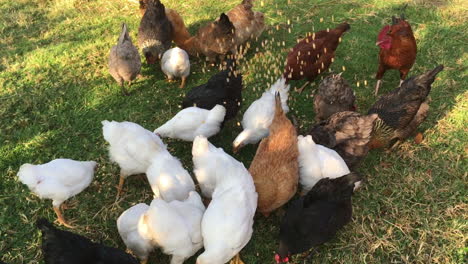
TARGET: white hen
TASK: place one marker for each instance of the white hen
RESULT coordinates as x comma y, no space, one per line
58,180
134,232
175,226
175,63
258,117
317,162
228,220
193,121
131,146
168,179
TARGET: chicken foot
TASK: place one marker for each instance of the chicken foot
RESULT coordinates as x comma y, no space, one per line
60,218
236,260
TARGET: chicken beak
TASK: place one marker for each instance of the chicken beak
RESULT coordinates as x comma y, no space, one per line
235,149
378,43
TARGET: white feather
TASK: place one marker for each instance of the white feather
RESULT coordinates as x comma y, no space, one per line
258,117
175,63
193,121
317,162
57,180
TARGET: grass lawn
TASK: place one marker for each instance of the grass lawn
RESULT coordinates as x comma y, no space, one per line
55,90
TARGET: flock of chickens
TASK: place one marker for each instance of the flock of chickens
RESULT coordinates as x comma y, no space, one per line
323,162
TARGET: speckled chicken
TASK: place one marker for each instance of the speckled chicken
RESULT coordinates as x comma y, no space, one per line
155,32
333,95
348,133
124,60
315,218
402,110
275,167
223,88
314,54
249,24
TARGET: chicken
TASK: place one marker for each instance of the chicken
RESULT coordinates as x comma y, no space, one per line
193,121
213,40
168,179
397,49
314,54
58,180
315,218
275,168
63,247
132,147
223,88
175,63
124,60
317,162
135,235
155,32
401,111
249,24
173,226
180,33
348,133
334,95
228,220
258,117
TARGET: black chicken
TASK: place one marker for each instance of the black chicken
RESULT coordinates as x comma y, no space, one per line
223,88
63,247
316,217
333,95
402,110
348,133
155,32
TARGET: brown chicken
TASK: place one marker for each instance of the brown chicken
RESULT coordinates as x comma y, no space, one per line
249,24
397,49
348,133
333,95
402,110
275,168
314,54
180,32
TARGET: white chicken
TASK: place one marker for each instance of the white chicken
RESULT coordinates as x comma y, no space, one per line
228,220
193,121
175,63
258,117
134,232
58,180
131,146
175,227
168,179
317,162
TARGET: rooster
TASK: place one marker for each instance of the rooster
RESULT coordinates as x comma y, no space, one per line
313,55
401,111
397,49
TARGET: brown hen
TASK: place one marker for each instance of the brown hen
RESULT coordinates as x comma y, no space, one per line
275,168
397,49
402,110
348,133
249,24
314,54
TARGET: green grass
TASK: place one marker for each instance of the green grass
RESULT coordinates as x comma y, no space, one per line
55,90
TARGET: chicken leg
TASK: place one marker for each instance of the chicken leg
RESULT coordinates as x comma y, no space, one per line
60,217
236,260
377,86
121,183
302,87
182,85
